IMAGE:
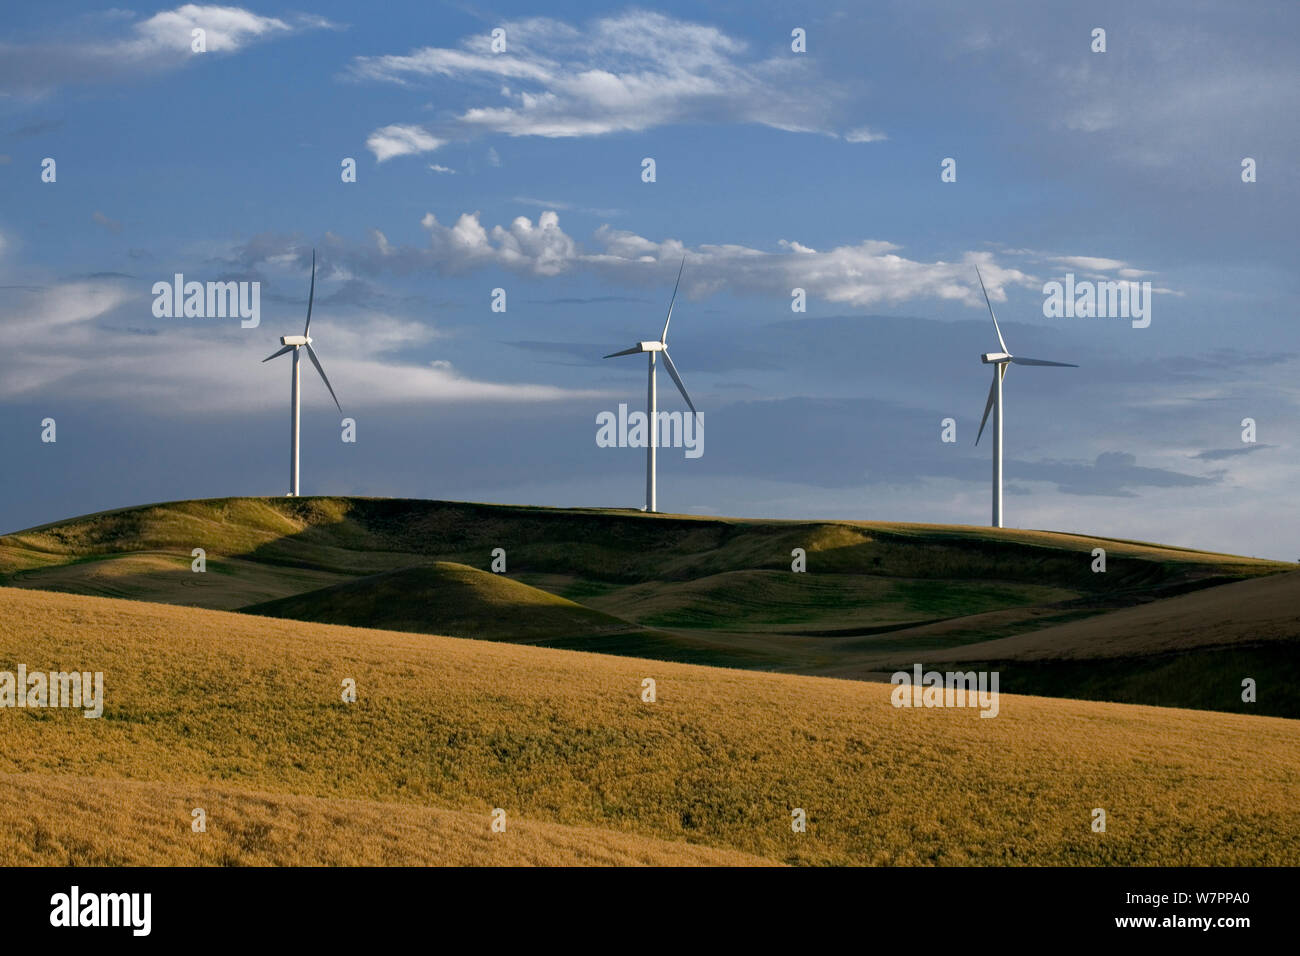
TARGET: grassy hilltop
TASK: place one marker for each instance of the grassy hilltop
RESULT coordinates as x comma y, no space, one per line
242,716
876,596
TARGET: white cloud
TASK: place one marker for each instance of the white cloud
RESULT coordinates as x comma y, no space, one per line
397,140
85,341
866,274
1094,263
629,72
1094,266
99,48
555,204
226,29
442,169
864,134
544,203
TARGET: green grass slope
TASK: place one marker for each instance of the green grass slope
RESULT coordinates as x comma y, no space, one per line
452,599
702,590
357,536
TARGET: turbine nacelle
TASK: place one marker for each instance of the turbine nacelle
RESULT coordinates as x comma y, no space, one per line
995,358
652,346
295,340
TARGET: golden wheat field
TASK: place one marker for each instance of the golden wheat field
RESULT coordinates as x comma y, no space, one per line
244,716
128,823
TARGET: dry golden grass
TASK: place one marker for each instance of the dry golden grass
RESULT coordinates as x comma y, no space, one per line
57,821
205,699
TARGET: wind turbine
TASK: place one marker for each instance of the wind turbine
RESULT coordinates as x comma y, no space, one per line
295,344
650,348
1000,361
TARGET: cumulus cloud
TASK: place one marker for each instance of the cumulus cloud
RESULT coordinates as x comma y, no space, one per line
226,29
865,274
625,73
114,45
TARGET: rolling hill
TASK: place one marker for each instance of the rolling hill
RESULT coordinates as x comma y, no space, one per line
1194,649
451,599
716,591
243,716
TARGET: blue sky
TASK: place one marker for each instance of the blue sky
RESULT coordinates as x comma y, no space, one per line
521,170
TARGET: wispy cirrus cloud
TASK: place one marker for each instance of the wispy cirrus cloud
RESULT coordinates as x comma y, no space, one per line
116,44
112,225
563,206
864,134
1220,454
1096,267
109,348
1165,98
625,73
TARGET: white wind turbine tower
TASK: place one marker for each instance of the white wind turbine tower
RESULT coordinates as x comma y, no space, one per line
650,348
1000,361
295,344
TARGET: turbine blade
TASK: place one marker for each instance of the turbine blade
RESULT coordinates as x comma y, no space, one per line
315,361
1028,361
632,351
672,370
988,406
312,295
1001,341
664,338
287,348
